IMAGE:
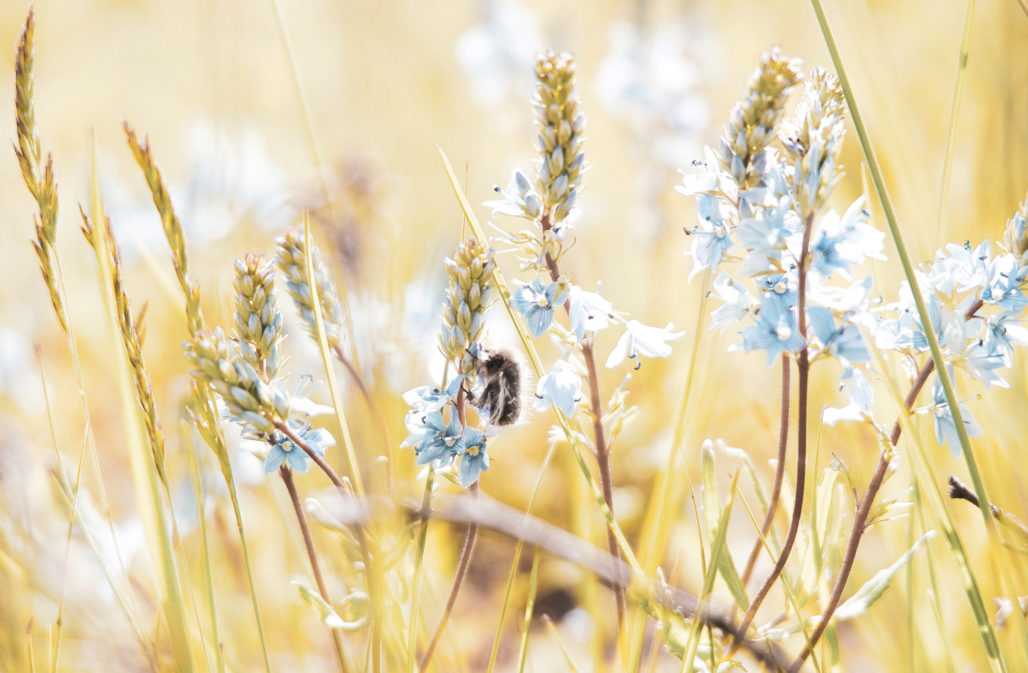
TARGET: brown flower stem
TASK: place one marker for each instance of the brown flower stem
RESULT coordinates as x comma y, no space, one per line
776,489
864,510
599,436
803,366
301,518
374,587
463,563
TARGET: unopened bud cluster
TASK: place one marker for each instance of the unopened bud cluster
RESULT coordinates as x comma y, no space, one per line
258,320
250,400
560,135
291,262
467,298
815,143
752,123
1015,237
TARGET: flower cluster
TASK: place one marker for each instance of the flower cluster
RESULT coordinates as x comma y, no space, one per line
251,401
976,300
243,370
437,421
760,207
546,205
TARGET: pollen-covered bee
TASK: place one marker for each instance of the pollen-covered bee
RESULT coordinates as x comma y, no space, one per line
499,395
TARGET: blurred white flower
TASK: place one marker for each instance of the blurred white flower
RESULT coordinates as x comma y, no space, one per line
649,80
230,178
19,380
497,53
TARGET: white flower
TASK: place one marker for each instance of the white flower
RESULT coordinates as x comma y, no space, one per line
589,312
861,397
737,302
497,53
640,339
562,387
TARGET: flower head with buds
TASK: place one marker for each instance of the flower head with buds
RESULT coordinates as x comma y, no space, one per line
751,127
467,298
252,402
815,142
560,134
258,320
293,264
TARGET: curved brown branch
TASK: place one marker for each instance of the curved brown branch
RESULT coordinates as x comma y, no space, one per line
489,514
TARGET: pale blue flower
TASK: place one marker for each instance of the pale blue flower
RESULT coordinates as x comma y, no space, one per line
474,459
710,240
844,342
775,330
519,199
537,303
945,426
426,399
440,441
1003,287
847,241
561,387
284,451
984,365
1005,332
858,390
737,302
764,237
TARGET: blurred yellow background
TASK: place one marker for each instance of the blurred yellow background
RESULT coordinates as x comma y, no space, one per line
253,111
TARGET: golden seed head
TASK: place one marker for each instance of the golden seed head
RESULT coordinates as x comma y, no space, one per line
561,127
467,298
754,118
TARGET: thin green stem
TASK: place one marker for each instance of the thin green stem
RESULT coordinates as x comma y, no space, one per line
965,45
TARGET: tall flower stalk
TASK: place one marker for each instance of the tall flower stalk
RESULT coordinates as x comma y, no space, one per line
548,203
441,432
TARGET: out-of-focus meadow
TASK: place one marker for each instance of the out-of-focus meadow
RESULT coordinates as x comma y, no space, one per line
258,112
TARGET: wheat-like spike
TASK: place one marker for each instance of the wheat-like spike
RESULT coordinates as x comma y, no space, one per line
252,402
815,140
171,224
38,176
132,335
468,296
291,263
258,320
754,118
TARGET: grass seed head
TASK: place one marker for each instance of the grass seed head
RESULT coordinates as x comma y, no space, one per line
291,263
751,127
258,319
560,134
468,296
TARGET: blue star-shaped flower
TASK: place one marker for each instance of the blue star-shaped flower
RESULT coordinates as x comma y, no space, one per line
441,441
775,330
474,458
284,451
537,301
